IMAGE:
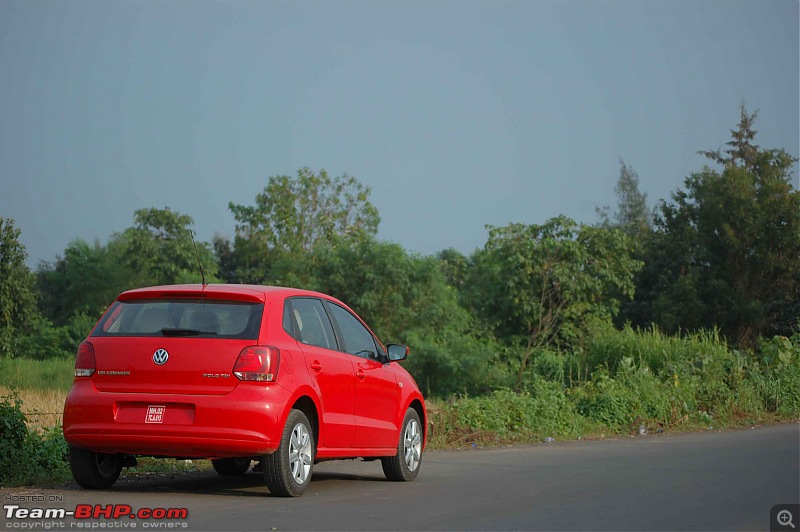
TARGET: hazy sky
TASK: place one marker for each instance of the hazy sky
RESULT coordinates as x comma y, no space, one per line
457,114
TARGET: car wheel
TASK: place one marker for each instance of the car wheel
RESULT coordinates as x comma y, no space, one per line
231,467
405,465
93,470
287,471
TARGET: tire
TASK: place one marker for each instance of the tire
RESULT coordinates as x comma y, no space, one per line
93,470
405,465
287,471
231,467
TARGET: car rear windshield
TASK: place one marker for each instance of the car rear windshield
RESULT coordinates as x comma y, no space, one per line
190,318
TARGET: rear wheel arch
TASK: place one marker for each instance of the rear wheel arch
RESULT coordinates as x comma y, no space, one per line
308,407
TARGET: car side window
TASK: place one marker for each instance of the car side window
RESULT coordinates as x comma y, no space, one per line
311,324
357,338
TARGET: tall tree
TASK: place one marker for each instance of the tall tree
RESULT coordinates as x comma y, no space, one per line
292,215
726,251
84,279
741,150
542,284
396,292
632,215
17,302
160,247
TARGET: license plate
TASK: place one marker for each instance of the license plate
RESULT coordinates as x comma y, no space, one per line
155,414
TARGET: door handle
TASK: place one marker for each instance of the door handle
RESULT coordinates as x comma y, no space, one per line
360,374
316,366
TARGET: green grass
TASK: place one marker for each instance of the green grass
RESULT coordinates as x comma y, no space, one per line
27,374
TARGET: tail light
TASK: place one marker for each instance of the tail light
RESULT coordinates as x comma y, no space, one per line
85,363
257,363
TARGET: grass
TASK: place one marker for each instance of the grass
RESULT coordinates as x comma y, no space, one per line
42,385
646,378
42,408
26,374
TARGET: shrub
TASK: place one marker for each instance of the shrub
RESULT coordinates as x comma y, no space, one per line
13,432
27,456
635,397
46,341
455,364
776,375
541,410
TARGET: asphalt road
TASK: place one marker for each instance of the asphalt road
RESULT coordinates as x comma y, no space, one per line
709,481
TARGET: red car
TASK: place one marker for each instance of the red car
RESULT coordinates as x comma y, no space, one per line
236,373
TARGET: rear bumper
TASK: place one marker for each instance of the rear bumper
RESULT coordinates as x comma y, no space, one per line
245,422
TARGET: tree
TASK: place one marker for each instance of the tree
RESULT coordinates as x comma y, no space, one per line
741,151
726,250
86,278
539,285
454,266
395,292
160,247
17,302
632,215
406,298
293,215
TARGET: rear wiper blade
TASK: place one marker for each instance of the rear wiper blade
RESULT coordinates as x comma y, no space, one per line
168,331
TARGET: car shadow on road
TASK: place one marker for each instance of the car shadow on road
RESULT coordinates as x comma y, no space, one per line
250,484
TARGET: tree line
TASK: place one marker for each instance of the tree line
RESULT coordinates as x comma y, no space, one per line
722,253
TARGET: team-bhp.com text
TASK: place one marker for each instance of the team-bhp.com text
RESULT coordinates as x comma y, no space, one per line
88,516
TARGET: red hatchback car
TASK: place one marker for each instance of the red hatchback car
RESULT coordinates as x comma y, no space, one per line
236,373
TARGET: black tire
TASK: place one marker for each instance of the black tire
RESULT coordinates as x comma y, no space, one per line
287,471
405,465
93,470
231,467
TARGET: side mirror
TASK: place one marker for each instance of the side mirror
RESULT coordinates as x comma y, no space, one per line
397,352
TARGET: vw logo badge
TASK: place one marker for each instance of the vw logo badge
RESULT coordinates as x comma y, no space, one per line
160,357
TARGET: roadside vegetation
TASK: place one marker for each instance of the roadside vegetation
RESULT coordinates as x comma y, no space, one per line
681,317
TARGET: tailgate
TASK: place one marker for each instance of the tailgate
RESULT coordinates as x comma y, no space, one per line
173,345
166,365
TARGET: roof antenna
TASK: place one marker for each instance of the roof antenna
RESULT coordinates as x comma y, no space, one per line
197,254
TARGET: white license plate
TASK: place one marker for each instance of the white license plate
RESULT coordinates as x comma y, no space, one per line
155,414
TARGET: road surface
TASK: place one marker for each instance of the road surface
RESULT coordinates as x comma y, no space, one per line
707,481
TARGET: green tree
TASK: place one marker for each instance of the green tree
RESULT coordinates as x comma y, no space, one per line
86,278
545,285
632,216
17,301
726,250
160,247
394,291
741,150
406,298
454,265
291,216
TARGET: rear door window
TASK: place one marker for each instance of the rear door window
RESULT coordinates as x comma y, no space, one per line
306,320
182,317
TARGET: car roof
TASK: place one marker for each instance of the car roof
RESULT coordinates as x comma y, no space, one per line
245,292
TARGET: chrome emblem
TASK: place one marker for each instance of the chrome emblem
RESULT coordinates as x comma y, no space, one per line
160,357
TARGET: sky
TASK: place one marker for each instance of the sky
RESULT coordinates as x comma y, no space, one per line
457,114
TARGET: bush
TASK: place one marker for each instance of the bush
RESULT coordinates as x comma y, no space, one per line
540,411
455,364
26,456
46,341
13,432
776,375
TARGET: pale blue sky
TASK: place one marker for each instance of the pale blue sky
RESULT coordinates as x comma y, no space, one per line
457,114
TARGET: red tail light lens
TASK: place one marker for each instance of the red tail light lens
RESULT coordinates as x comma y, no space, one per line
85,363
257,363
